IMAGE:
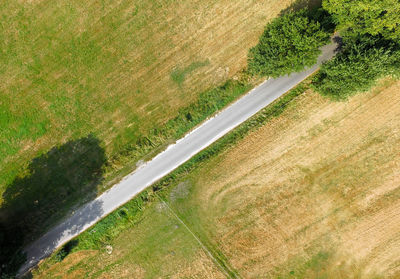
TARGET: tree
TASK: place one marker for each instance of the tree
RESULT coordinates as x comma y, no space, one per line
357,67
374,17
289,44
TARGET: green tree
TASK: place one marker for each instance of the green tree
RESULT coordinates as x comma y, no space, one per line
357,67
288,44
361,17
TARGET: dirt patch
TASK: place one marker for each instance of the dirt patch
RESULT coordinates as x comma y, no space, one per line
61,269
202,267
126,270
180,191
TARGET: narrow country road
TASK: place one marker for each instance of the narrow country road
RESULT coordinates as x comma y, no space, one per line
167,161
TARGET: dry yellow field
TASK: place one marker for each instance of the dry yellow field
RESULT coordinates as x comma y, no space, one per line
314,193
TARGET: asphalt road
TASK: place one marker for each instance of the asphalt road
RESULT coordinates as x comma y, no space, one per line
167,161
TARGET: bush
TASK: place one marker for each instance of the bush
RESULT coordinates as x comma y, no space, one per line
289,44
357,67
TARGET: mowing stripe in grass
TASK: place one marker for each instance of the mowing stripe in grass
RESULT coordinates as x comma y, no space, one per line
220,263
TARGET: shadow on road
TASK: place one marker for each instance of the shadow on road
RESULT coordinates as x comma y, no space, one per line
54,182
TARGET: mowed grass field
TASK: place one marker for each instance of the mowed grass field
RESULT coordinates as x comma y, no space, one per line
314,193
115,70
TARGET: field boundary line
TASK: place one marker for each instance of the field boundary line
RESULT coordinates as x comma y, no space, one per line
225,270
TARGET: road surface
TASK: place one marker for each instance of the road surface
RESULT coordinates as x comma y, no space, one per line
174,156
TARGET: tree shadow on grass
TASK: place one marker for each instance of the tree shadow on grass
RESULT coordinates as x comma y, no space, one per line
55,181
301,4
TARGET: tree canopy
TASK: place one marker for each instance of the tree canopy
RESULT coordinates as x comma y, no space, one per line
374,17
357,67
370,50
288,44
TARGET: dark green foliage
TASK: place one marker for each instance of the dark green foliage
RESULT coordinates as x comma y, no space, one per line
373,17
357,67
371,34
289,44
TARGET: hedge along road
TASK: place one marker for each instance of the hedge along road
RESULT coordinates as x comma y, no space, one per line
174,156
